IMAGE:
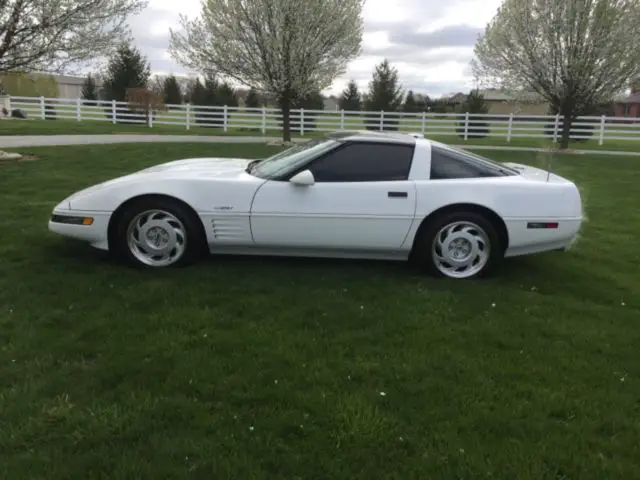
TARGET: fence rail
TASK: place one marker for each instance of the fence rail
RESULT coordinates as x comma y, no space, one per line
464,125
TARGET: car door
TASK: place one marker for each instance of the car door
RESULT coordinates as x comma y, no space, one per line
361,199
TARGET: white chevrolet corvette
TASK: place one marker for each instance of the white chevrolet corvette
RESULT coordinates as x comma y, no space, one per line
348,195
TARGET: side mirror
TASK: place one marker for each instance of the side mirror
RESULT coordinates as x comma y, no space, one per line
304,178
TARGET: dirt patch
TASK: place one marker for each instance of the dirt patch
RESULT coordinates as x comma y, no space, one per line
8,157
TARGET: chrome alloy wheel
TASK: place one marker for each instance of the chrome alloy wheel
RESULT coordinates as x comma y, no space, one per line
156,238
460,249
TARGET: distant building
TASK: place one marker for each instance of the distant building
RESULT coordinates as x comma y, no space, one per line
331,103
45,85
629,106
71,86
503,102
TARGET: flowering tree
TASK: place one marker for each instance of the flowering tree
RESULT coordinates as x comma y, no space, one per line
285,48
51,35
574,53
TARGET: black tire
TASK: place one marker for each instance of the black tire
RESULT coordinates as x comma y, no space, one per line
190,228
422,248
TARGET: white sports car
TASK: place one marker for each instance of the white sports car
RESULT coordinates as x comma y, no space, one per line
347,194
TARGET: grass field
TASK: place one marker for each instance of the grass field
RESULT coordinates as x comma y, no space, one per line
252,368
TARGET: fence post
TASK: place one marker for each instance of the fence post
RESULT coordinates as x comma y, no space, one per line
79,109
226,118
302,121
381,120
342,119
42,112
264,120
113,111
424,121
602,122
509,128
555,128
188,119
466,126
150,117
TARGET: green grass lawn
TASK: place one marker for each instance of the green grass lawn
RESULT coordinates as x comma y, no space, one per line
252,368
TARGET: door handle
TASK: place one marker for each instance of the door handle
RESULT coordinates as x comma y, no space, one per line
397,194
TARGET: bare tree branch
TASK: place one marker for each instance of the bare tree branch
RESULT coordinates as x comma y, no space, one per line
51,35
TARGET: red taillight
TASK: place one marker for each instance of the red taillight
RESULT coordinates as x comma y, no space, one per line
542,225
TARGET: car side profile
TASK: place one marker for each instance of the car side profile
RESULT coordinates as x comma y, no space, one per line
367,195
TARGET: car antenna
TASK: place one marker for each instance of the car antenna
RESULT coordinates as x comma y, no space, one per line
549,165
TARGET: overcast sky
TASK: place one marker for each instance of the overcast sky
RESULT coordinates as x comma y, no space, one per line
429,41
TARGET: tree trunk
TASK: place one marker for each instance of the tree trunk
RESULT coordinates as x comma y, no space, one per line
566,131
285,106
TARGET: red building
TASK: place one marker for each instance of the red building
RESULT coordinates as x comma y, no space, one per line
629,106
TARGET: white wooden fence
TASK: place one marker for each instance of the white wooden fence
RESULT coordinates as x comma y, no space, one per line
233,119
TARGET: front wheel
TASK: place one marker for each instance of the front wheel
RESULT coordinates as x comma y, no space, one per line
158,233
459,245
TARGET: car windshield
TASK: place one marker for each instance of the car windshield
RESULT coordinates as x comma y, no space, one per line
290,158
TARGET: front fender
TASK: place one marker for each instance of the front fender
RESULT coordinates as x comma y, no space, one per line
202,195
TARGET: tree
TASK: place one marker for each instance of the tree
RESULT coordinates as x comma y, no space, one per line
574,53
127,68
286,49
156,84
51,35
89,89
145,101
212,94
196,93
312,101
385,94
171,91
253,99
350,99
226,95
210,91
474,104
411,104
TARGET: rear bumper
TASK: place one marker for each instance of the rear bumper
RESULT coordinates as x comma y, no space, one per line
524,240
69,223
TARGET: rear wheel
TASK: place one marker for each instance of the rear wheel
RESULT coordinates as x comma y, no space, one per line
159,232
458,245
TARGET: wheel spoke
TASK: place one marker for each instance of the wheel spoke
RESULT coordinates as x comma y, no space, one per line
460,249
157,238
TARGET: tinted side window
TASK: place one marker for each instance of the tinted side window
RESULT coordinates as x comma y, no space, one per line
364,162
446,164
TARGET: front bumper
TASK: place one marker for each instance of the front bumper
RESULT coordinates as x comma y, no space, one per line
91,227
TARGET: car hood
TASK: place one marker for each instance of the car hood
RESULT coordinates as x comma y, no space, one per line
188,168
200,166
